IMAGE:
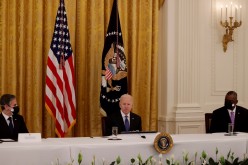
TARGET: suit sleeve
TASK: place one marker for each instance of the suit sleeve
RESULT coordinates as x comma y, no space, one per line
137,124
214,123
23,127
140,124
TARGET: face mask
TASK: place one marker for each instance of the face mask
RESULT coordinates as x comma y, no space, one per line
15,110
229,105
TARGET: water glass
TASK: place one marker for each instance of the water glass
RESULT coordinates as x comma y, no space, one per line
114,132
230,128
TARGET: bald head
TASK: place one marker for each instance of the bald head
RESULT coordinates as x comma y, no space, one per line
126,103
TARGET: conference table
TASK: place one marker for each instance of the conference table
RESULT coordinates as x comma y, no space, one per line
101,150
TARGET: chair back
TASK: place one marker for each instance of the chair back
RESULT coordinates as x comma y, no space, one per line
208,118
104,126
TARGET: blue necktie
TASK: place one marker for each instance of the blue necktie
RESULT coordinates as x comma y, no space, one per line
126,123
11,127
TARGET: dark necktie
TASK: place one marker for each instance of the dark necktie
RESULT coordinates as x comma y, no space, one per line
126,123
11,127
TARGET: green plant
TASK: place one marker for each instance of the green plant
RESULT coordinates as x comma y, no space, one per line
204,160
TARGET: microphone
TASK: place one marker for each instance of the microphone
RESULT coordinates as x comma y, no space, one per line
142,136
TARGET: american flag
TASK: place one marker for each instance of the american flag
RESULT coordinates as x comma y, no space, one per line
108,74
60,100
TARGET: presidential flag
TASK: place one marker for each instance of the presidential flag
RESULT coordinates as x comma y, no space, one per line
114,66
60,100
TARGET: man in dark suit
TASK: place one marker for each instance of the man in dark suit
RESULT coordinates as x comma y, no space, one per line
124,119
230,113
10,122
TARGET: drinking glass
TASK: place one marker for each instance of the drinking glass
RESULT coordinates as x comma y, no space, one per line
230,128
114,132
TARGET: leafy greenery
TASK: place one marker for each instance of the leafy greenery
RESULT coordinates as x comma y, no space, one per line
80,158
230,159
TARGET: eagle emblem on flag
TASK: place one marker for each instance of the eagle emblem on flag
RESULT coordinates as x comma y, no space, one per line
115,66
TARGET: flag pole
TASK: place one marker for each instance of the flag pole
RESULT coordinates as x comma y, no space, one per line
62,58
117,27
117,33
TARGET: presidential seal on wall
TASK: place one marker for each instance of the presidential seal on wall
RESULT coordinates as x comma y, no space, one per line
163,142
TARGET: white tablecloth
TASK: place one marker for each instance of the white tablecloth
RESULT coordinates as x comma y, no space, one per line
193,143
45,152
51,150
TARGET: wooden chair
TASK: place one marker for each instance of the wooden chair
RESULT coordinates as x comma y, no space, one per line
104,126
208,118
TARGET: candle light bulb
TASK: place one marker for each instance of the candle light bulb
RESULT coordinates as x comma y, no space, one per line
221,12
236,12
240,7
226,12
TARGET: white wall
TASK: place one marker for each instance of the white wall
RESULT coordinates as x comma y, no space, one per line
194,71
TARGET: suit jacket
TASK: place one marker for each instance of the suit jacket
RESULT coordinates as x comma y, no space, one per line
19,127
221,118
116,119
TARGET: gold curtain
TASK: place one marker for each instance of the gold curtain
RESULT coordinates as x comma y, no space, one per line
26,28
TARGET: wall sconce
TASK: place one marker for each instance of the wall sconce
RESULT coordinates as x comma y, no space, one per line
229,25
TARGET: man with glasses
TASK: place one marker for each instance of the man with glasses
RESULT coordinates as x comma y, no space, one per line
11,123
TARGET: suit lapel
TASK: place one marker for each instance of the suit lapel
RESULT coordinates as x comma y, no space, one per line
121,122
5,125
16,123
237,115
227,116
3,121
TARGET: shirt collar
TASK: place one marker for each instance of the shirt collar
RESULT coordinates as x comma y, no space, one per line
234,110
6,116
123,114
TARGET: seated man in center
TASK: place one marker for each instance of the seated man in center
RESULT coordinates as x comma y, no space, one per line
124,119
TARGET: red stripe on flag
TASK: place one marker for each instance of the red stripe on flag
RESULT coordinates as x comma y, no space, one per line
53,90
73,112
108,74
50,108
67,90
59,85
70,92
